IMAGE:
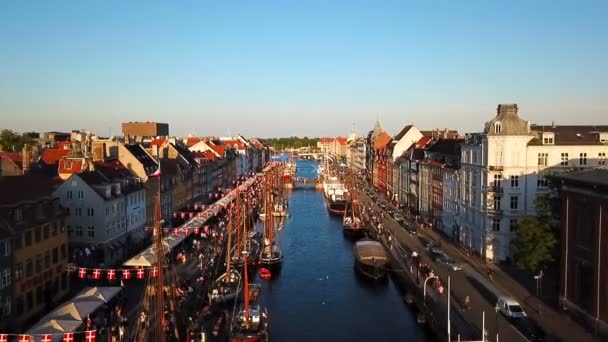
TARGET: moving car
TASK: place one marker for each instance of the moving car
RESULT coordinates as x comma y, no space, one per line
510,307
449,263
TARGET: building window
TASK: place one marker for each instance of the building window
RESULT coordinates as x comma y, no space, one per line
19,241
515,181
39,296
38,263
497,181
541,182
18,271
55,255
20,304
497,203
68,195
28,238
47,259
514,202
512,224
64,252
564,159
91,232
29,268
497,127
56,228
29,301
78,212
582,160
496,224
46,231
37,234
542,159
79,231
80,194
5,278
5,248
90,212
601,159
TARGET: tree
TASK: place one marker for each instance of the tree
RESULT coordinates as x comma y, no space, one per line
13,142
533,244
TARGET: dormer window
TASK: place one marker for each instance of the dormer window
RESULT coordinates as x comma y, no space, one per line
603,138
497,127
548,138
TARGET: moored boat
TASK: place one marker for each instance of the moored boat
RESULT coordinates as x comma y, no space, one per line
371,259
225,288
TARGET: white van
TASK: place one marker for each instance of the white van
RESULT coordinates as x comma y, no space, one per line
510,307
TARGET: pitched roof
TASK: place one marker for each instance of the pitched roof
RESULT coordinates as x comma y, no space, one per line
72,165
193,141
28,187
571,135
341,140
403,132
51,156
186,154
234,144
219,149
447,146
112,169
63,144
206,155
143,157
15,157
326,140
157,142
382,141
509,120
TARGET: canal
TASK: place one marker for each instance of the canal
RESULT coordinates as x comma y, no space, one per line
318,296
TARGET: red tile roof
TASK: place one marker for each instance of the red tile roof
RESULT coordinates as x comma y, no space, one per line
14,156
219,149
71,165
326,140
63,144
157,142
206,154
52,156
193,141
423,142
382,141
341,140
234,144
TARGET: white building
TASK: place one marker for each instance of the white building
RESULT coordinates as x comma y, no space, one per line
105,207
503,170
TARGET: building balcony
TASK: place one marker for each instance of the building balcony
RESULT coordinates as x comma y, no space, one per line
495,189
496,168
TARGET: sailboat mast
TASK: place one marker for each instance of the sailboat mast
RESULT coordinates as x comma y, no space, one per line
228,255
238,218
246,291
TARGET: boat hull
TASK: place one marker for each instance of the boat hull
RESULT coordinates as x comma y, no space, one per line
372,271
350,231
338,208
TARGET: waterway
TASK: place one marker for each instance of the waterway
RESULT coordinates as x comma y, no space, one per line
318,296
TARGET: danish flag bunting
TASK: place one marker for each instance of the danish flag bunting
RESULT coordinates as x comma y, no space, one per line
82,273
140,273
154,272
25,338
89,336
196,231
46,338
111,274
3,338
97,274
68,337
126,274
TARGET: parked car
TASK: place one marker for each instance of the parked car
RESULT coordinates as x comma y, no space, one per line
449,263
398,217
510,307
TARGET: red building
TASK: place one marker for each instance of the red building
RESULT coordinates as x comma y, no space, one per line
584,245
380,161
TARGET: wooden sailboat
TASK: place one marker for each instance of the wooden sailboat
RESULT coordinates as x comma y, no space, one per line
250,322
226,287
353,217
245,241
271,256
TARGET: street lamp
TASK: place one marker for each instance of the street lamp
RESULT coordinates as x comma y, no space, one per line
539,282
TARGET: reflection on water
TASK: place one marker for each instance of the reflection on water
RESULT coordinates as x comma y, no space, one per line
318,296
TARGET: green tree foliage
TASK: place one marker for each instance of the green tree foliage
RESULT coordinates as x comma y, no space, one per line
12,141
536,237
292,142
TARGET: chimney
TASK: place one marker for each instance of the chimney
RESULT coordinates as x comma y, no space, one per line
25,158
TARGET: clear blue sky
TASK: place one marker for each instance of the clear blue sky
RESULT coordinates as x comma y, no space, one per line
277,68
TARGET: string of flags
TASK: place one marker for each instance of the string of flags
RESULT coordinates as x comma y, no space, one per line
113,274
89,336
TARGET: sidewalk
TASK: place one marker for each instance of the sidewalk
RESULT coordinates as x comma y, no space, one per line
553,322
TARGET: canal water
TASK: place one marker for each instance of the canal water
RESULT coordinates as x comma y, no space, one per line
318,296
